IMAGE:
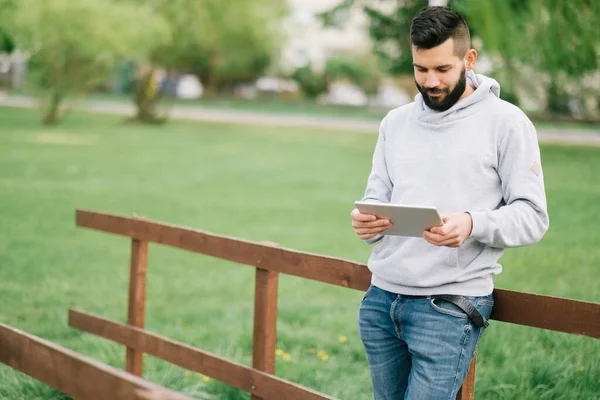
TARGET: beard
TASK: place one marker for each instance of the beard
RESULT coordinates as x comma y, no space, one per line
448,97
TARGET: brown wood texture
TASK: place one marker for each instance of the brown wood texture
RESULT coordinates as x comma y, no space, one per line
73,373
331,270
467,390
558,314
265,322
137,300
547,312
255,382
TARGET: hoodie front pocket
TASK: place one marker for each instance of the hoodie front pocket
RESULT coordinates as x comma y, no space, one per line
470,251
453,257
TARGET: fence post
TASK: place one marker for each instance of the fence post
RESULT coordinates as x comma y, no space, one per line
265,322
137,300
467,391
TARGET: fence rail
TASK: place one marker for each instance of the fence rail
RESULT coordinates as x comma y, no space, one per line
251,380
73,373
547,312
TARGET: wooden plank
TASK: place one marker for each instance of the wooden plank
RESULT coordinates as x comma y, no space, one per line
265,322
467,390
255,382
547,312
563,315
137,300
331,270
73,373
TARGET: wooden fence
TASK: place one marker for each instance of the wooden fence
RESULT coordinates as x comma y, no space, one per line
72,373
557,314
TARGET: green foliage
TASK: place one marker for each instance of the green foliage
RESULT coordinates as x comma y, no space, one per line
360,70
555,37
74,44
222,42
7,9
311,83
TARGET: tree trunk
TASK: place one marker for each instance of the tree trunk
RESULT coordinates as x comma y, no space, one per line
145,95
51,115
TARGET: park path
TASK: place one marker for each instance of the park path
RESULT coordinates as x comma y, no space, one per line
585,137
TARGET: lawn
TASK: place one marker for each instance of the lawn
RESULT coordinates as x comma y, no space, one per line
292,186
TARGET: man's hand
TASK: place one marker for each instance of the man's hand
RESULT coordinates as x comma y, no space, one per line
368,226
456,229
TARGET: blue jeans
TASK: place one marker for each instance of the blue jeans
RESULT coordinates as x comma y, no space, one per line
418,348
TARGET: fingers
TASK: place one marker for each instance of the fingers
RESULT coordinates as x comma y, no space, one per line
362,217
367,232
368,226
451,240
443,230
378,223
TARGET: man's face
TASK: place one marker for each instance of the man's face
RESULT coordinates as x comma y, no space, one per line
440,75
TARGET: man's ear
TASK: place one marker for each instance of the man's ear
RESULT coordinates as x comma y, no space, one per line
470,59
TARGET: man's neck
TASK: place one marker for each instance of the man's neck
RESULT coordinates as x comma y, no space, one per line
468,91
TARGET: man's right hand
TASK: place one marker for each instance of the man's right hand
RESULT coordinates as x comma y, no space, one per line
368,226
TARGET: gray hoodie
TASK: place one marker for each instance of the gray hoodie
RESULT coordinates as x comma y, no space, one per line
481,156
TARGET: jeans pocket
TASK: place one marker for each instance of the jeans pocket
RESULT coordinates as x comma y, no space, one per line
483,304
445,307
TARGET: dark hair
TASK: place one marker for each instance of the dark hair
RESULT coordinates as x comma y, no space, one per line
432,26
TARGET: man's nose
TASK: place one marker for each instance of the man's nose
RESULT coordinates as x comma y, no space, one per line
432,80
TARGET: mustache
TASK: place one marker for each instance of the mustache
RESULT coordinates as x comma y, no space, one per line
435,91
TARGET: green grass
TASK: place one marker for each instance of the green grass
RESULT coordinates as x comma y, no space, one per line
288,185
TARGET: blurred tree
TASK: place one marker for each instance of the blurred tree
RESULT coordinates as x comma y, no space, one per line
311,83
7,9
389,28
361,70
7,44
221,42
74,44
557,38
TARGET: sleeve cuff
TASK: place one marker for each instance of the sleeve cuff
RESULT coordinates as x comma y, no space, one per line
374,239
479,219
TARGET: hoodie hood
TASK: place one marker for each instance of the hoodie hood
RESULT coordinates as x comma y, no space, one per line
485,88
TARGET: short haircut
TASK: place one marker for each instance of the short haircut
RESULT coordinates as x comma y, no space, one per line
432,26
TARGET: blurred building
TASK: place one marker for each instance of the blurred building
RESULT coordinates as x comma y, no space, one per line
308,42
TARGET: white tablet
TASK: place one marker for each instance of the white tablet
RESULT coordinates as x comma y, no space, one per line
407,220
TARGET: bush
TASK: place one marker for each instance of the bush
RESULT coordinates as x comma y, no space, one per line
359,70
311,83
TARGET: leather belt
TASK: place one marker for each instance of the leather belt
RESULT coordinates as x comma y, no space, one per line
465,305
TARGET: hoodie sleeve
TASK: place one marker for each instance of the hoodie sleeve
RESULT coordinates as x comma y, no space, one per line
524,218
379,184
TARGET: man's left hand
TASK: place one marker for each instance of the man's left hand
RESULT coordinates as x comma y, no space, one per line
456,229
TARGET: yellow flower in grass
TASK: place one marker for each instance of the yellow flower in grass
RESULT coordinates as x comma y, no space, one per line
287,357
204,377
582,368
279,352
343,339
323,355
